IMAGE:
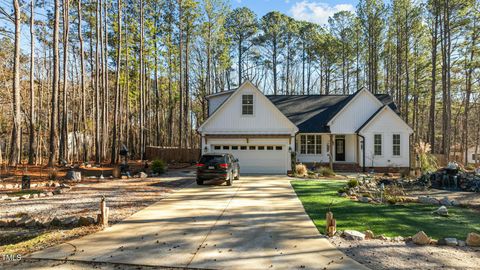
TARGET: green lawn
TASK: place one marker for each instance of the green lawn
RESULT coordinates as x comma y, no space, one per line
390,220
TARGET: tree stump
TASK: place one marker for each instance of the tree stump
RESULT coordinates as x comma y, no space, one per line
103,216
330,224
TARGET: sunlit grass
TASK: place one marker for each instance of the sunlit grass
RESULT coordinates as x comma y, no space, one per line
390,220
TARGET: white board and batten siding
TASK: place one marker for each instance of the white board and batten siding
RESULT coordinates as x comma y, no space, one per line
266,120
387,123
354,115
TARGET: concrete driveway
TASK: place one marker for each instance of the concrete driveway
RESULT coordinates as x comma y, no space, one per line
258,223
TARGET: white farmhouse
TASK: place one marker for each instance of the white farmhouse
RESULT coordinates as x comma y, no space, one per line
361,131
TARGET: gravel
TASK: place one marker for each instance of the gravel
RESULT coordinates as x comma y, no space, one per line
378,254
124,197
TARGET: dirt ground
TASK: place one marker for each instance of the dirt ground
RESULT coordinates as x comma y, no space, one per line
472,199
124,197
383,255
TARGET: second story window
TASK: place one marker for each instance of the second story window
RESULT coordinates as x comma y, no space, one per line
247,104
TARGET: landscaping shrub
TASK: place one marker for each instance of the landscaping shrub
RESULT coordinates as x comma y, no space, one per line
428,162
325,171
470,167
52,175
353,183
158,166
301,170
394,190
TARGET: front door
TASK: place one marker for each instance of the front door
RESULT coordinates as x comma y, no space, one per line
339,148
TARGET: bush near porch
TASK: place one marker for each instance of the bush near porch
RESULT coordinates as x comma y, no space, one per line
391,220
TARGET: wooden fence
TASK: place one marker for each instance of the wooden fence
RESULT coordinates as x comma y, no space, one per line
172,154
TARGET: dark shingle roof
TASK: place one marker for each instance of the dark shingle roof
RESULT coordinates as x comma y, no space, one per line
311,113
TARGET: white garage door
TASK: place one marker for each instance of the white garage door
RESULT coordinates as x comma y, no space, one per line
267,159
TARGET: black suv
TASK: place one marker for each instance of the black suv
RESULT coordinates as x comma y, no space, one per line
218,166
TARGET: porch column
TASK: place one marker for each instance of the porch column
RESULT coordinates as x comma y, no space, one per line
331,152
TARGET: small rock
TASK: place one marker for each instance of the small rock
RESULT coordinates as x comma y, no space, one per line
473,239
56,222
398,239
142,175
353,235
73,175
24,197
85,221
34,185
461,243
33,196
383,237
12,198
70,221
58,191
56,184
455,203
442,211
343,194
3,223
369,235
49,194
442,242
421,238
41,195
23,220
364,199
427,200
31,223
445,201
451,241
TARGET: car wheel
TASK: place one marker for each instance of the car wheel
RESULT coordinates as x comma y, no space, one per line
237,177
199,182
229,179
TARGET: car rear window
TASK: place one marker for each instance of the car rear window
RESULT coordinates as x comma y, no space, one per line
212,159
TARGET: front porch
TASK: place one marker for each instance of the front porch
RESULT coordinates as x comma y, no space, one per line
313,149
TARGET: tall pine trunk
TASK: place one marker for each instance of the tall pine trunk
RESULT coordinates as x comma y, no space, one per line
55,86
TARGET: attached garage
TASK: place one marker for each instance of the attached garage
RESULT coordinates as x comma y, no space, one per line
247,125
266,156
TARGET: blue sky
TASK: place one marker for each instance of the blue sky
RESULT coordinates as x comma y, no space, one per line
316,11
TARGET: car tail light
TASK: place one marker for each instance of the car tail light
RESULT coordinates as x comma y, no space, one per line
200,165
223,165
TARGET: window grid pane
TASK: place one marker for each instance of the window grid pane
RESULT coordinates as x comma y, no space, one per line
247,104
396,144
377,148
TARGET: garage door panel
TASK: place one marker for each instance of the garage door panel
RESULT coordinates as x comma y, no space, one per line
268,158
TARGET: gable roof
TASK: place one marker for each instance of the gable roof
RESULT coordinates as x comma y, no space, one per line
311,113
384,108
234,92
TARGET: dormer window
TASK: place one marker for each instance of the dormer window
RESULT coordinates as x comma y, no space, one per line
247,104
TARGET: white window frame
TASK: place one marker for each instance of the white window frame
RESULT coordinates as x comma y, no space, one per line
375,144
399,144
252,105
317,144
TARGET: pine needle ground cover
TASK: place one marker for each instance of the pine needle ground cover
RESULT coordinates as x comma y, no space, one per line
390,220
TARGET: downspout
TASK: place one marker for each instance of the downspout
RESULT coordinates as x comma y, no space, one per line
363,151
